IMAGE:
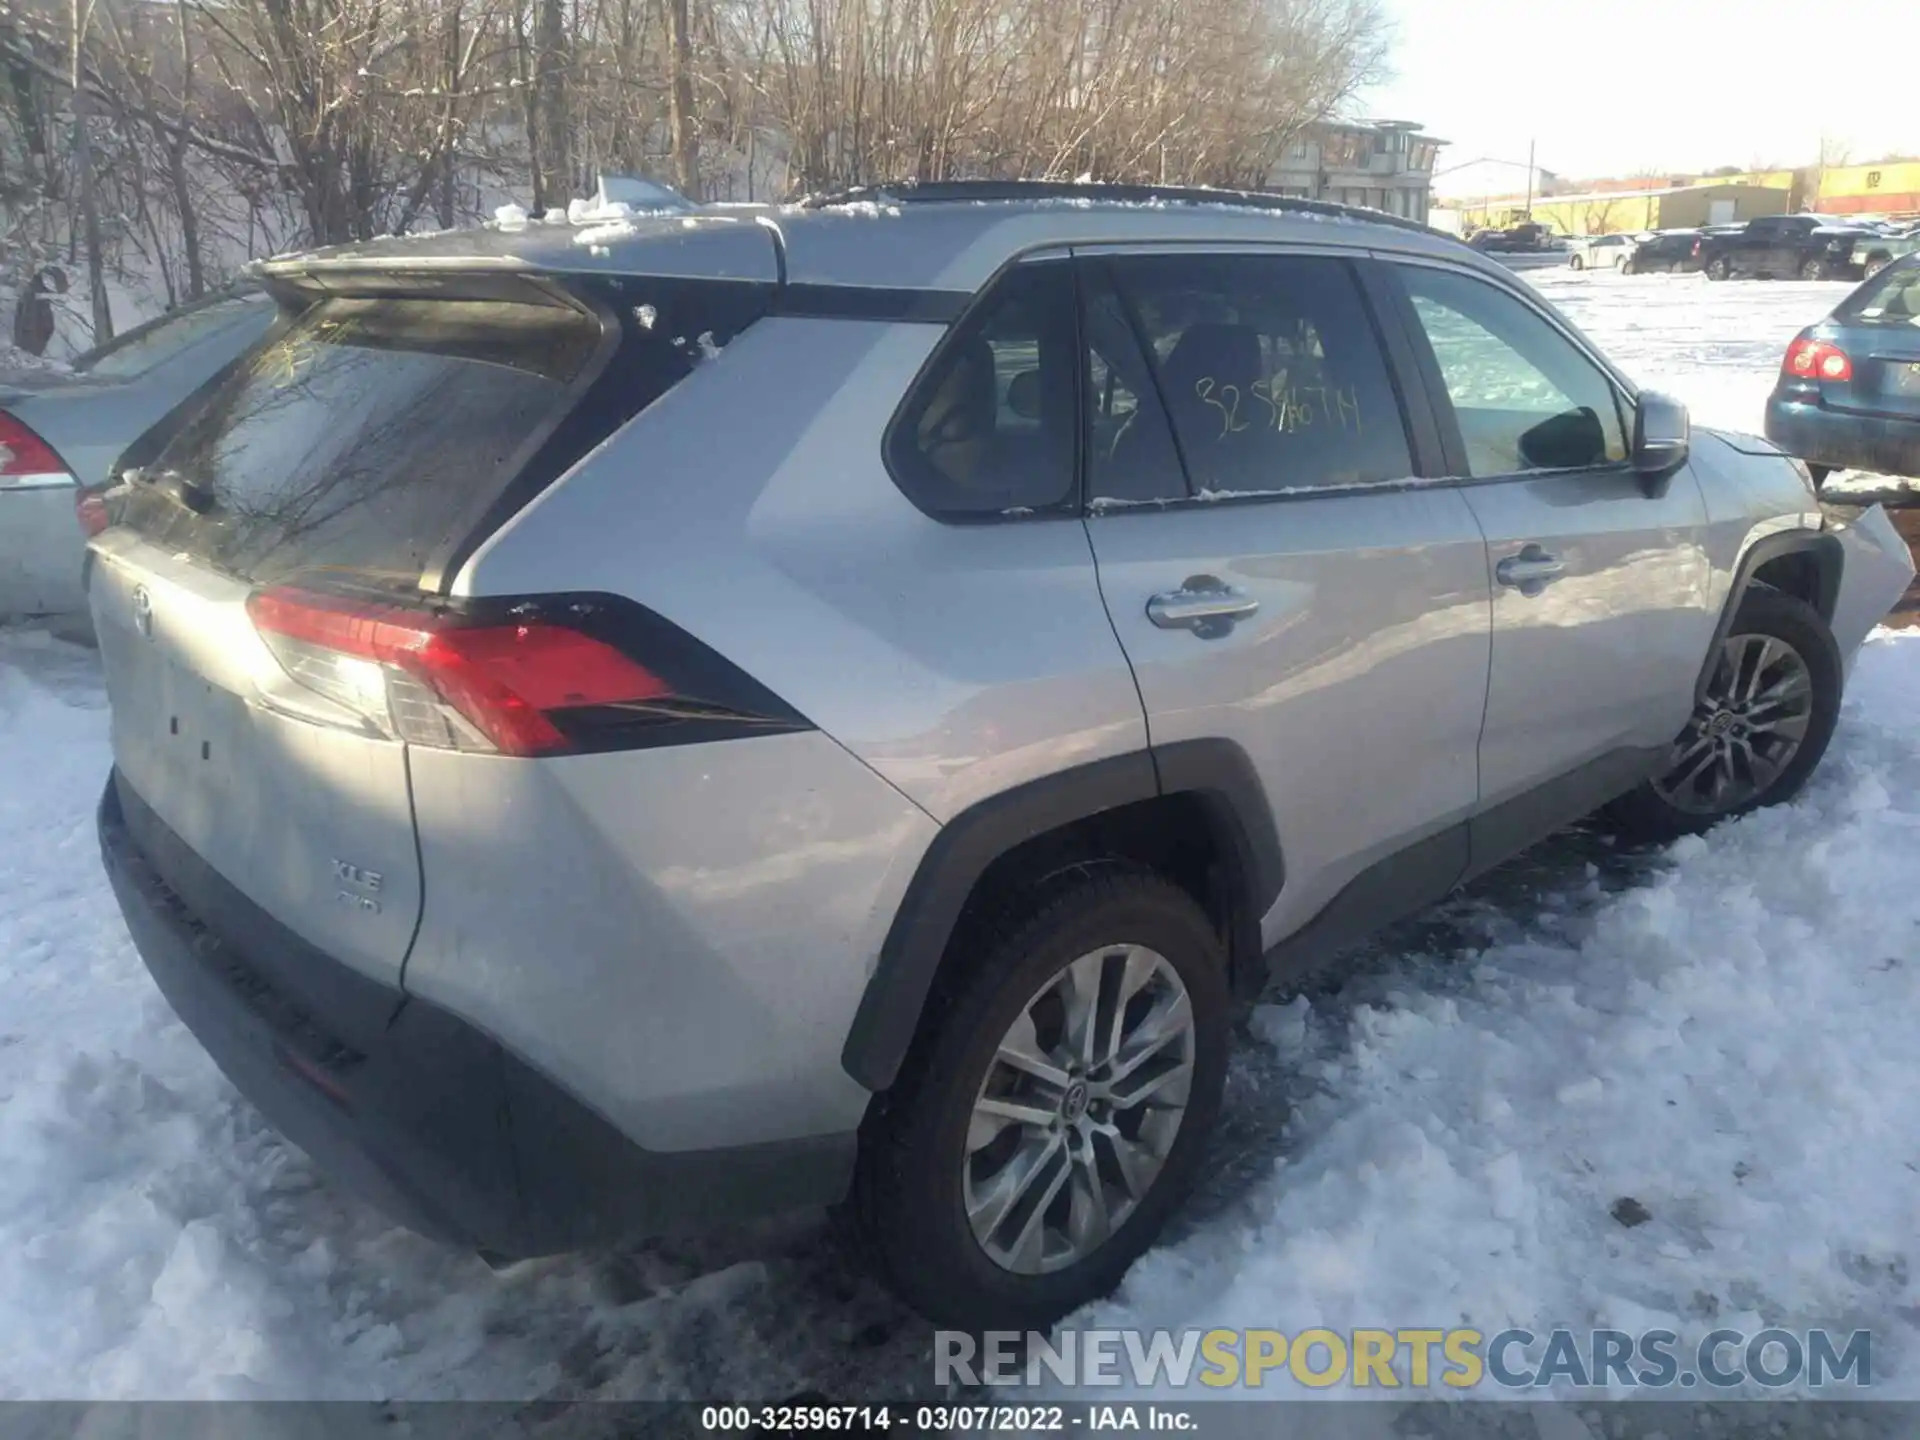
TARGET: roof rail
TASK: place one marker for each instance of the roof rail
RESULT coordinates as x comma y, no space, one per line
961,191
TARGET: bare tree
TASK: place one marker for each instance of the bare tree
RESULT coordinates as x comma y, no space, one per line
229,128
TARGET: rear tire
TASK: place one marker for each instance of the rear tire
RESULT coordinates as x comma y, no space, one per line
1575,262
1813,268
1719,269
1027,1253
1768,715
1874,266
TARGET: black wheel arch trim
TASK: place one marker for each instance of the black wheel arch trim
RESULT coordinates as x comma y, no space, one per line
1217,771
1829,561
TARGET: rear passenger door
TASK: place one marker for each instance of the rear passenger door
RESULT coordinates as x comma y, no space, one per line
1276,573
1601,614
1772,247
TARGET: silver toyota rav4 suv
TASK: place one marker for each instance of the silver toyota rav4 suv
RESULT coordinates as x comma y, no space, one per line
625,727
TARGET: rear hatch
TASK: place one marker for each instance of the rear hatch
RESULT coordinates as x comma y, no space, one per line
263,600
1878,329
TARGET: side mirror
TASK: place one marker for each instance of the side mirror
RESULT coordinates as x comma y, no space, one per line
1662,436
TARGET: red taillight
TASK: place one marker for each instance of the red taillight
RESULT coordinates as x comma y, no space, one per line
26,459
439,680
1809,359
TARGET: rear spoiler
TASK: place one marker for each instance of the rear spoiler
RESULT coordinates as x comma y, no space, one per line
497,260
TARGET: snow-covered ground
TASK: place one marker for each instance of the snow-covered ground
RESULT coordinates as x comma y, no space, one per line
1723,1032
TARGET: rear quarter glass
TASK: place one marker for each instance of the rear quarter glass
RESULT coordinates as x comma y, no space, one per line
1891,298
372,435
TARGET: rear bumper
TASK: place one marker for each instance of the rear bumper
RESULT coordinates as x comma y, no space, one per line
431,1120
1845,442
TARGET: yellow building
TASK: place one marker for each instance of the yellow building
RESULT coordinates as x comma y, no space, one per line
1889,189
1615,212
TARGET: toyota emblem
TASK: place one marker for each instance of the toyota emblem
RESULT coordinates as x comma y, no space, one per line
143,611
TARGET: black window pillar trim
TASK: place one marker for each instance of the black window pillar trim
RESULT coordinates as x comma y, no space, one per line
1413,384
1217,771
1385,282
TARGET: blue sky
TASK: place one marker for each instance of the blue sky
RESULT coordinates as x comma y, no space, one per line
1610,87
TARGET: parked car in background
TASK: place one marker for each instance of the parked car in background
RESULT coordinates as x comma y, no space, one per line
1882,250
1599,252
1529,236
1664,251
1784,247
1848,396
62,430
581,780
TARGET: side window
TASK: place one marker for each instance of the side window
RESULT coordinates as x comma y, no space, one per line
1523,396
1130,452
1270,370
988,428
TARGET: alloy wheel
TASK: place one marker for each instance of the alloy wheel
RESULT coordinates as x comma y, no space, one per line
1079,1109
1745,731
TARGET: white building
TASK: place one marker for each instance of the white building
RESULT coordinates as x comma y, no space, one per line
1384,164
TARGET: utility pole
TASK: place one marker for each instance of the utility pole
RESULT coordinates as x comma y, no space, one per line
1529,179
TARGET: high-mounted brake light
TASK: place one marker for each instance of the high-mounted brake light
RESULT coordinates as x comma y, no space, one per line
435,679
1810,359
27,461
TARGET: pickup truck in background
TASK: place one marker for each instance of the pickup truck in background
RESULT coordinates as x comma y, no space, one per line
1876,252
1787,247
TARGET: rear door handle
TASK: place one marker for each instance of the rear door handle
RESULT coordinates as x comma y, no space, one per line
1203,605
1529,572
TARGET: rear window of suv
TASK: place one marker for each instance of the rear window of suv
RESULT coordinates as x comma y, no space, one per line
356,437
372,434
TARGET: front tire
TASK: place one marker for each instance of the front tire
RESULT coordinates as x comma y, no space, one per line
1769,711
1055,1114
1575,262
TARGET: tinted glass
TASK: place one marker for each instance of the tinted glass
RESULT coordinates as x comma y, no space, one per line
1270,369
1129,447
140,349
1524,396
357,438
988,429
1891,298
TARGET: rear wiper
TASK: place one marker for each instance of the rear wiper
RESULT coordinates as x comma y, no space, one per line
183,490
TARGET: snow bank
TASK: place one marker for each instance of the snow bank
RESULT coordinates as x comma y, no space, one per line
1729,1045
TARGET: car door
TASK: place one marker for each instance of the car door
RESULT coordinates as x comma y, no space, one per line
1782,245
1278,577
1601,581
